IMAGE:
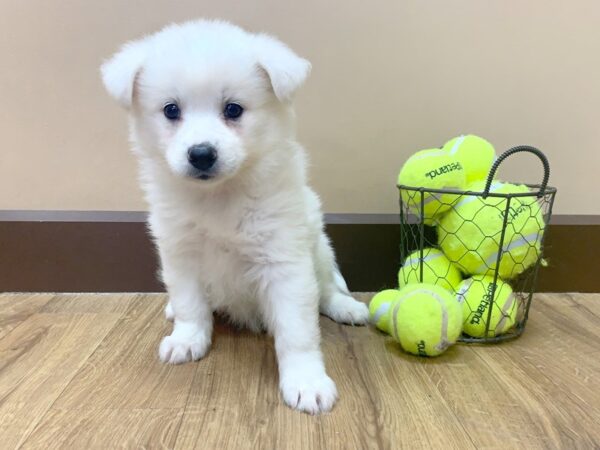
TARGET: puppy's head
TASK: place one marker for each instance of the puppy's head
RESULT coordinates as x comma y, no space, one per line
206,98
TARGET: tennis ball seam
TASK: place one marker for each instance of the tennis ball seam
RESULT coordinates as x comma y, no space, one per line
394,322
506,249
508,304
443,344
494,187
437,269
434,197
380,312
464,288
457,144
418,157
416,259
476,154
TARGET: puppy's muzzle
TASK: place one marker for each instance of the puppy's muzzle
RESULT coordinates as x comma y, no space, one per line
203,157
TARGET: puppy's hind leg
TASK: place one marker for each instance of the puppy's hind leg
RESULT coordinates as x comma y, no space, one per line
336,301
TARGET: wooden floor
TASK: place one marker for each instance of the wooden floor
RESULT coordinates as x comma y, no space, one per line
80,371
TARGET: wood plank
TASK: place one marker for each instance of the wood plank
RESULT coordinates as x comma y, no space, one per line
97,303
589,302
572,310
37,361
16,308
480,395
483,403
539,391
402,409
558,362
124,372
106,429
573,425
238,370
567,346
377,407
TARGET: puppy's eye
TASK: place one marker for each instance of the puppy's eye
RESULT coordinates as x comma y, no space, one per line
232,111
172,111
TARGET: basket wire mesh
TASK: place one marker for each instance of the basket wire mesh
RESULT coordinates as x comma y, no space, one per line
502,236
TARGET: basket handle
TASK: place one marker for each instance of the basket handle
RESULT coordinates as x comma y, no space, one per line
511,151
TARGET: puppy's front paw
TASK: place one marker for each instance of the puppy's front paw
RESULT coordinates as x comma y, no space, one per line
344,309
184,345
308,393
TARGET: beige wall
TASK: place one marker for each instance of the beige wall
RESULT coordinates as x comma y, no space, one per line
389,77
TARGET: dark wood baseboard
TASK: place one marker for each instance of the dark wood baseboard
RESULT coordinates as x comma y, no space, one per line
71,251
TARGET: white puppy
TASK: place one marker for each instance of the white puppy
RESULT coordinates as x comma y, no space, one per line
237,228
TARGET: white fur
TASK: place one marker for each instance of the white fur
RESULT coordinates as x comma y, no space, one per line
248,242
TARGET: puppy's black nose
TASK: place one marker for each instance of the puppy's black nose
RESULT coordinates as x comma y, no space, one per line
202,156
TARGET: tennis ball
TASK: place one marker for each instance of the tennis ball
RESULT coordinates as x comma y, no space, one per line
425,319
437,269
475,154
475,295
430,169
379,308
470,233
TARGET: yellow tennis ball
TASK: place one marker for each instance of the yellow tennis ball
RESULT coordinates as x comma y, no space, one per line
470,233
437,269
475,295
425,319
475,154
430,169
379,308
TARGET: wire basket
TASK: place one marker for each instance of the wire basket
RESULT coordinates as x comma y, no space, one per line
494,233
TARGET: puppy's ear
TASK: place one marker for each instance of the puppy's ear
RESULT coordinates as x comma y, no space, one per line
120,71
286,70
